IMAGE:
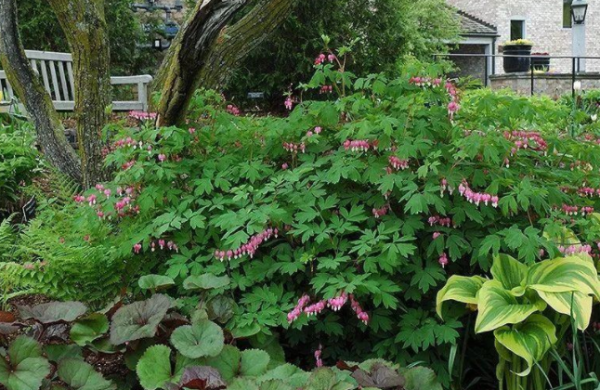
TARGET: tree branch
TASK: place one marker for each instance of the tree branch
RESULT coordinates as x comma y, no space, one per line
206,52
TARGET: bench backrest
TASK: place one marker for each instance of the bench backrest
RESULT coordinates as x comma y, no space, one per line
56,71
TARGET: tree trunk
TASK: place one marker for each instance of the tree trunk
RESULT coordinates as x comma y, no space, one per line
206,52
84,24
29,89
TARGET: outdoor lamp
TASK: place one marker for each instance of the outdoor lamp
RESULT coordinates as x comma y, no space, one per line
579,11
157,44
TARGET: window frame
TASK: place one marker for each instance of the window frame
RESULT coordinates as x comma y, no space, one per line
523,22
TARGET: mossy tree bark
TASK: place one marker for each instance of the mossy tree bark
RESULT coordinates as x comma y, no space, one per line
206,50
85,28
29,89
84,24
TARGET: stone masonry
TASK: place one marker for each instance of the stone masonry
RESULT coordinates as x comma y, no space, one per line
543,26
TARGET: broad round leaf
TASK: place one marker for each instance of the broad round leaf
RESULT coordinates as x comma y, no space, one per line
254,362
460,289
205,282
227,362
420,378
87,329
48,313
498,307
220,309
529,340
58,352
290,374
26,368
197,377
204,338
155,282
138,320
154,367
80,375
326,379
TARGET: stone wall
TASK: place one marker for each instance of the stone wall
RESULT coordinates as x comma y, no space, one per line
544,26
553,85
470,66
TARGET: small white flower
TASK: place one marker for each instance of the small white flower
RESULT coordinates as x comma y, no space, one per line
594,117
577,85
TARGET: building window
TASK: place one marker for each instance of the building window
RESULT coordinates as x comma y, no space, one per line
517,29
567,19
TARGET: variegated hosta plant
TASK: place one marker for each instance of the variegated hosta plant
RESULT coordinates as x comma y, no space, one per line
523,306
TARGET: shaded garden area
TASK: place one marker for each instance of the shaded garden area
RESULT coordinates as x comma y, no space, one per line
374,225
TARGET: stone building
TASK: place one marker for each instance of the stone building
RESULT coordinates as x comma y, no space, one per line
545,22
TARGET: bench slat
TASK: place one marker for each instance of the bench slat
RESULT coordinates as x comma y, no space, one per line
55,80
45,75
63,81
60,84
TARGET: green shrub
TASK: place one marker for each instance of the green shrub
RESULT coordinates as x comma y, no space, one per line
18,163
379,191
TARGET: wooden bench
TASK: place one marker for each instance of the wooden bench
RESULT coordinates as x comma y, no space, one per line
56,70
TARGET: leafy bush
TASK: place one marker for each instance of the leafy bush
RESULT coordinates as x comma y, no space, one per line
370,196
137,339
383,31
18,163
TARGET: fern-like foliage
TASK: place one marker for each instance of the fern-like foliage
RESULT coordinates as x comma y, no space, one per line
59,255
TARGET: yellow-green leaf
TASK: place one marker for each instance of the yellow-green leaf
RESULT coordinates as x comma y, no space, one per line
581,310
460,289
508,271
564,275
529,340
498,307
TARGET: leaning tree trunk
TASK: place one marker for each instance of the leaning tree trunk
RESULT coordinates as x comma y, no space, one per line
206,51
29,89
84,24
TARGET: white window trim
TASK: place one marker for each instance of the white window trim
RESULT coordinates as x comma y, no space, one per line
518,19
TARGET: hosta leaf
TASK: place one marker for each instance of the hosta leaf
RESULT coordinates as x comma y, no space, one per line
79,375
154,367
563,275
204,338
48,313
87,329
155,282
26,368
498,307
571,303
138,320
254,362
205,282
460,289
508,271
529,340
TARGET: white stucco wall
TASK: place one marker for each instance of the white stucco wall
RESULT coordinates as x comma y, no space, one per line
544,26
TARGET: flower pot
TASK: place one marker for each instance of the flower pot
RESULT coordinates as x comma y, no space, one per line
517,64
540,63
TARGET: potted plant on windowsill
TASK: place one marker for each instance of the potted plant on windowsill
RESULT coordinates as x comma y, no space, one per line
540,61
514,49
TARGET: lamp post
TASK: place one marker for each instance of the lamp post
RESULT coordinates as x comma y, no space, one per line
579,12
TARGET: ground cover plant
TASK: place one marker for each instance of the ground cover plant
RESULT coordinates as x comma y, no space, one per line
145,344
336,225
